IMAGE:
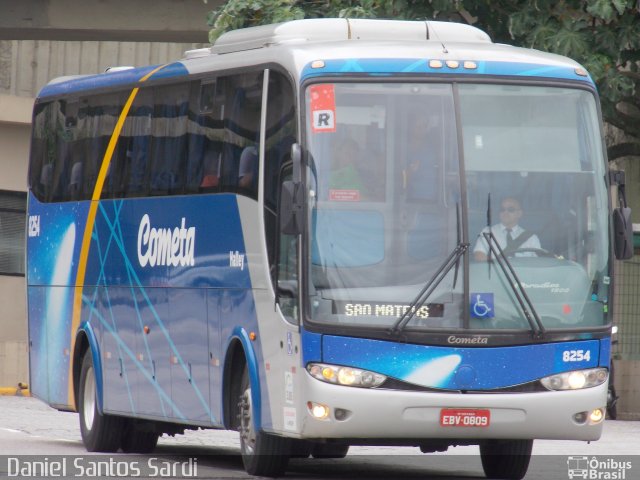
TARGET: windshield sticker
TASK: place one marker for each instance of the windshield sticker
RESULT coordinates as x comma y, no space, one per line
552,287
340,195
395,310
482,305
323,108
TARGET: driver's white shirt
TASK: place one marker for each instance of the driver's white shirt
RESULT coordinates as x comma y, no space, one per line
500,232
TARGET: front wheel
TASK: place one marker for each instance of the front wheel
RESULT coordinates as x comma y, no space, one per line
612,400
262,454
100,433
506,459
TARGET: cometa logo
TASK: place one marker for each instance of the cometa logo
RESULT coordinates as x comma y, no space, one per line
164,246
468,340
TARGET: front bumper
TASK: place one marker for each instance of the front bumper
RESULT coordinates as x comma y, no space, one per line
396,414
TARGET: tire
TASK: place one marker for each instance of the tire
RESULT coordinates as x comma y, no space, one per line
262,454
100,433
329,450
506,459
612,409
612,398
135,439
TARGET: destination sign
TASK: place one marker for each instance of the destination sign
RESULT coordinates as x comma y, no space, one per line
380,309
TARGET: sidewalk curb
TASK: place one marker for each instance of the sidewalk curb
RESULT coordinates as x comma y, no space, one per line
19,391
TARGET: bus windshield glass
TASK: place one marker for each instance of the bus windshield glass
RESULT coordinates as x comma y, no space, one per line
391,198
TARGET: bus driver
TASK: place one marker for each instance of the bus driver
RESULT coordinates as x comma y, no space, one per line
508,233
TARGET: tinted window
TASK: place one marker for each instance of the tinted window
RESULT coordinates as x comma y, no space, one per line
196,137
241,133
169,140
205,137
280,135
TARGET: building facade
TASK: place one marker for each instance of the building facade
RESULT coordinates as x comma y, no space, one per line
42,40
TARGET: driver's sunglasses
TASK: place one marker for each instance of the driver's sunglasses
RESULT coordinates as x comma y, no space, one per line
509,209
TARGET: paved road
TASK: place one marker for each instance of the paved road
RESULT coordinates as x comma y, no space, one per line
29,427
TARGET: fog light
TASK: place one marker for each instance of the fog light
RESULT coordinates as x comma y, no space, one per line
341,414
580,417
318,410
596,416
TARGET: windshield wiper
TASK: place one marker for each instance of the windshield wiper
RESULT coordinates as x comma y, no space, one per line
516,285
429,288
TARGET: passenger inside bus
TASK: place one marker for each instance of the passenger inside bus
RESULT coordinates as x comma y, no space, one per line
509,234
344,173
248,168
211,170
420,175
75,182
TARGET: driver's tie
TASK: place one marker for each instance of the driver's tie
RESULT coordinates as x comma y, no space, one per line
510,239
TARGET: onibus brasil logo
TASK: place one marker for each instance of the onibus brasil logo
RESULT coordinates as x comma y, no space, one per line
597,468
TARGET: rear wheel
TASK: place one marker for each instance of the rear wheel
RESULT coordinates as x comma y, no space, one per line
100,433
506,459
262,454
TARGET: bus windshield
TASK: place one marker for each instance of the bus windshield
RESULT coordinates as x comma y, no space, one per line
392,197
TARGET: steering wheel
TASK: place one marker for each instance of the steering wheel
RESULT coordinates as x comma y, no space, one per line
540,252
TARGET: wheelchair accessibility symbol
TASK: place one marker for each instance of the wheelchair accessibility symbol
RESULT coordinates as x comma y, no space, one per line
482,305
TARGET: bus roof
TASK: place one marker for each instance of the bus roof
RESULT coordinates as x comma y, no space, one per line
343,29
347,46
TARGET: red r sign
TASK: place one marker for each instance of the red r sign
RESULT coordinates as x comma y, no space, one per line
323,108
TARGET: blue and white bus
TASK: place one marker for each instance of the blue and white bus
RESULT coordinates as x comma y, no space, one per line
278,235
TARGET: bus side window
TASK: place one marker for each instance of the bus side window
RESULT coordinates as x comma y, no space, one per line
136,140
43,143
75,181
169,144
107,111
242,129
66,138
96,138
204,138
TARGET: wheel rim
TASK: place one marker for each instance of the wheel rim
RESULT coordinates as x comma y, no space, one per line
247,432
89,399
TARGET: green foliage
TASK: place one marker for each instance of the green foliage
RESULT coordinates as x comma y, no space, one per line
602,35
245,13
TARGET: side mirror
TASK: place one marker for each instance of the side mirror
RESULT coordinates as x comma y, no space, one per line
291,203
622,225
622,233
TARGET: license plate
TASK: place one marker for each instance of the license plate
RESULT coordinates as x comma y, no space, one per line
464,417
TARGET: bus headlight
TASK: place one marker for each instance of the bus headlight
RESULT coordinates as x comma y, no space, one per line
576,380
352,377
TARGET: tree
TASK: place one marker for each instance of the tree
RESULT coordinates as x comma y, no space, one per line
603,35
